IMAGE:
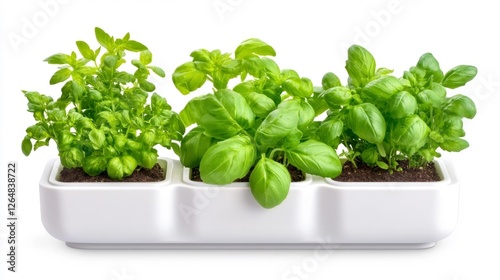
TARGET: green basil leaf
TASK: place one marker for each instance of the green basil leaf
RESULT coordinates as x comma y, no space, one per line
427,154
329,132
85,50
253,47
429,63
148,159
383,88
97,138
277,126
220,79
71,158
146,57
311,132
459,76
382,165
261,104
232,67
158,71
298,87
272,69
60,76
461,105
132,145
318,103
316,158
292,139
193,146
56,115
94,165
37,132
438,89
337,96
148,137
288,74
39,144
84,123
306,114
259,67
59,58
360,65
64,140
383,72
370,155
104,39
454,145
237,107
176,148
434,135
245,88
205,67
134,46
228,160
119,141
330,80
26,146
188,78
201,55
430,97
402,104
35,98
208,111
453,127
146,85
410,133
407,75
269,183
159,103
366,121
111,61
119,167
95,95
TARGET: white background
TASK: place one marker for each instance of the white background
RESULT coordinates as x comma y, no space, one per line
309,36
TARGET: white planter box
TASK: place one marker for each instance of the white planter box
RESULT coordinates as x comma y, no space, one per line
180,213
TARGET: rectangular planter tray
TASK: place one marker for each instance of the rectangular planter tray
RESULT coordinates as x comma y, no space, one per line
178,213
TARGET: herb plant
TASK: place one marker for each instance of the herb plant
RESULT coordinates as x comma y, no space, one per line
102,121
381,119
261,126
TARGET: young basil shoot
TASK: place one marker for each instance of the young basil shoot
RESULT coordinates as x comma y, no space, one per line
102,120
381,119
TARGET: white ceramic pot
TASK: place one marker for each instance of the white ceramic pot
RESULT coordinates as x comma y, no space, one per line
180,213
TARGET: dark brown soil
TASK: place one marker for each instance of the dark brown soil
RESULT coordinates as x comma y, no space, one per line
365,173
156,174
297,175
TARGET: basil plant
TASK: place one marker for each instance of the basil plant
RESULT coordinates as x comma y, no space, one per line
102,121
261,125
381,119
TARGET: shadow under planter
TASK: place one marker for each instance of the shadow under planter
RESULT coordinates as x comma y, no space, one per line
178,213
